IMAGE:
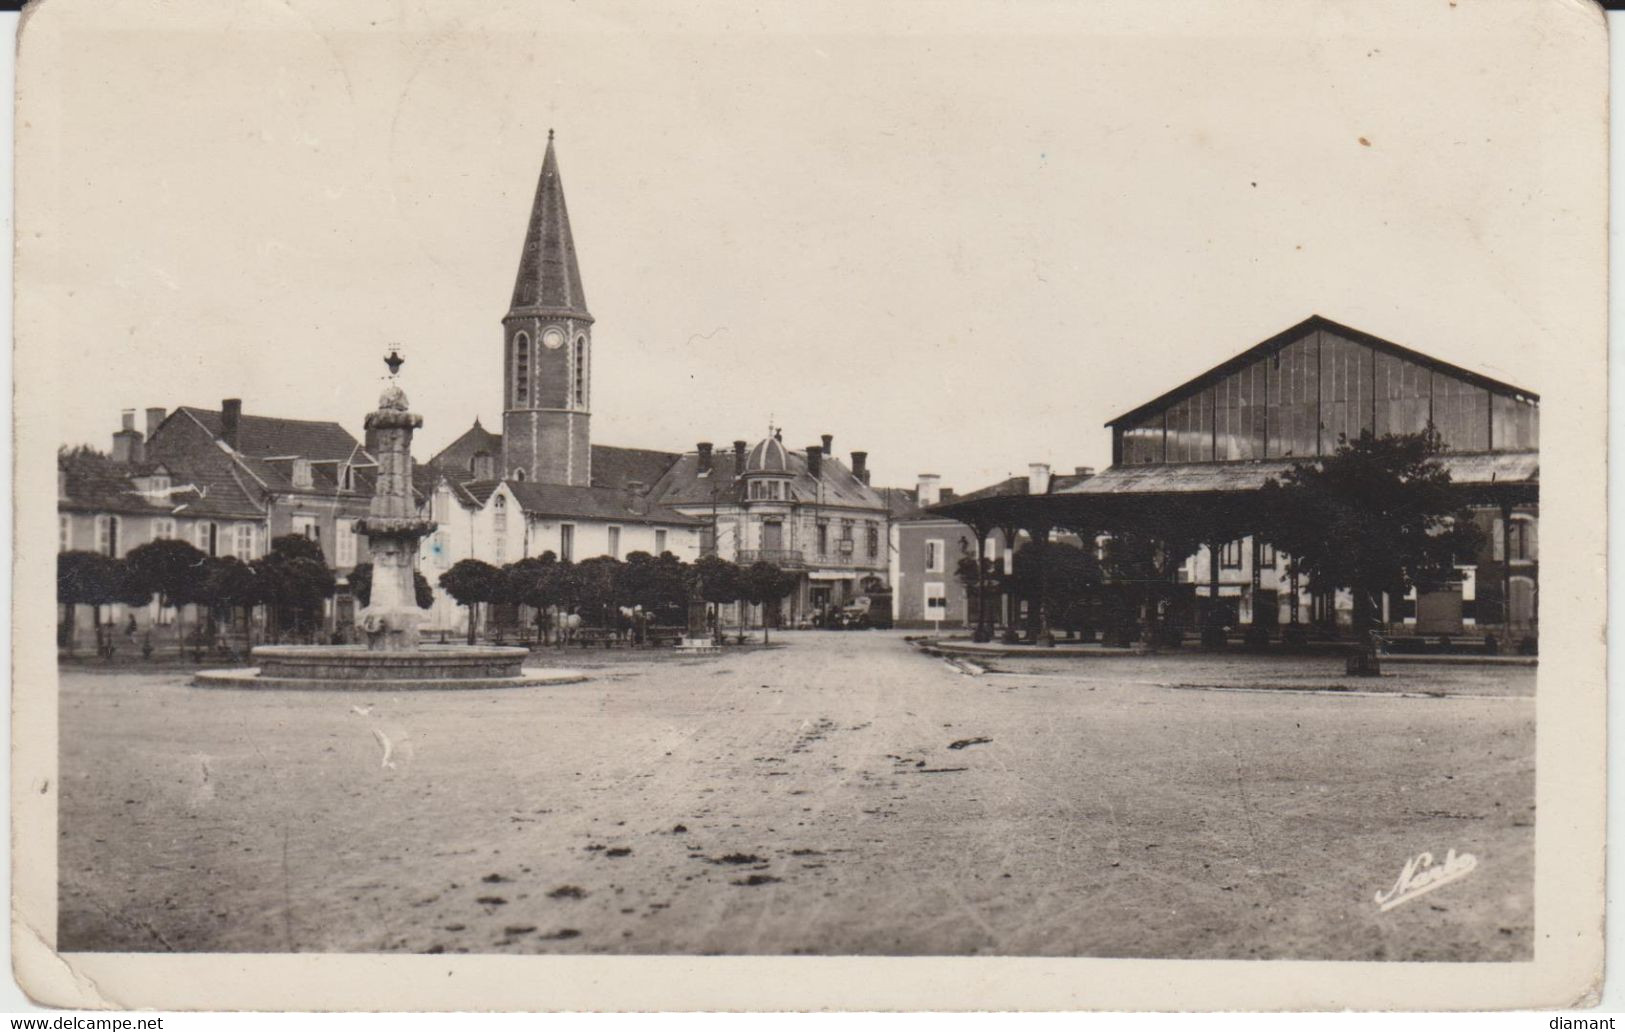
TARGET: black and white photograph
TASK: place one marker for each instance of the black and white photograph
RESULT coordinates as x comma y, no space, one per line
874,486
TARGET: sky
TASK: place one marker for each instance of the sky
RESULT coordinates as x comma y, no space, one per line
957,236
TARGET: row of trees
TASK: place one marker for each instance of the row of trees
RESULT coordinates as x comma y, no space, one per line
602,590
1378,516
291,581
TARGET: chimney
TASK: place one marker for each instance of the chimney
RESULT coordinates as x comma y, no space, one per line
860,465
1037,478
929,490
231,415
815,460
739,457
704,448
1083,471
155,417
127,441
829,439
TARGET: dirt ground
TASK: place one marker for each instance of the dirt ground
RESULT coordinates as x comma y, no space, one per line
841,795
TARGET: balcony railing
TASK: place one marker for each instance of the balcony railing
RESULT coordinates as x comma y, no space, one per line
787,558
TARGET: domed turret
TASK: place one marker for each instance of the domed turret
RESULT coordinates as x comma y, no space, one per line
767,471
769,457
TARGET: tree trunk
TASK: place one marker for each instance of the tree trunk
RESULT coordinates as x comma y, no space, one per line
1363,661
473,612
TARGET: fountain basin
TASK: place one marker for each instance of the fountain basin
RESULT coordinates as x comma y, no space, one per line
357,668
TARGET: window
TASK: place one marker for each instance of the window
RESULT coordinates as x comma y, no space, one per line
519,474
1266,556
208,537
344,543
158,484
660,543
614,542
1230,555
581,372
308,528
64,533
936,601
163,529
245,542
708,541
301,473
1519,535
107,528
933,556
567,542
347,477
823,538
499,525
521,370
873,534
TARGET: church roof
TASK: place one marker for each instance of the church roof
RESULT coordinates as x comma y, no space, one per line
549,279
458,456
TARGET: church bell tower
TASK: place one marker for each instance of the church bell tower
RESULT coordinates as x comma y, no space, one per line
547,349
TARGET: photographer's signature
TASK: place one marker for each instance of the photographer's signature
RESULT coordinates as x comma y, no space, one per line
1421,875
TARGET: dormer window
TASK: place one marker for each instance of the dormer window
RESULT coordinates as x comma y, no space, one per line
301,473
347,477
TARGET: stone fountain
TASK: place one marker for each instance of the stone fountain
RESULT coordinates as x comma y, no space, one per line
392,659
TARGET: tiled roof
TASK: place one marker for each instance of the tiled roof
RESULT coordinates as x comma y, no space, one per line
597,503
616,467
481,490
459,455
265,436
94,482
835,485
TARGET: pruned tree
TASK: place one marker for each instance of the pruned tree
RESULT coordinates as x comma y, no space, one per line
764,584
1378,515
175,571
297,581
717,580
95,580
472,582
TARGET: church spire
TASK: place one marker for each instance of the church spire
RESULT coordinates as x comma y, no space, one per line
549,280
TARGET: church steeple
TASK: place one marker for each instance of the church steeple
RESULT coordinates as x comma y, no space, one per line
549,279
547,349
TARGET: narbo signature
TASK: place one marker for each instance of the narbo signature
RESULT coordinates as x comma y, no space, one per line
1421,875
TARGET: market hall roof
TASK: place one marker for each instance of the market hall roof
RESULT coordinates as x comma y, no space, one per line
1280,340
1466,469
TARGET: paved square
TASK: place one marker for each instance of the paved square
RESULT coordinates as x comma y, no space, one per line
808,799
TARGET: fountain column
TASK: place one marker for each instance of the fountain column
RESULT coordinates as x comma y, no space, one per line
392,527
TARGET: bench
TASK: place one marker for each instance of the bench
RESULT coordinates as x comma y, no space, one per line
588,636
